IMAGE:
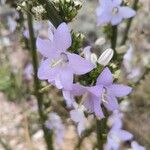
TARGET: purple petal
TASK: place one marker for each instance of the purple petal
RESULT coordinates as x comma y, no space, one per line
105,78
79,65
26,33
58,83
97,107
127,12
66,78
103,16
68,98
88,103
106,4
117,2
96,90
45,47
46,72
119,90
87,53
111,104
124,135
80,128
62,37
78,90
116,19
77,115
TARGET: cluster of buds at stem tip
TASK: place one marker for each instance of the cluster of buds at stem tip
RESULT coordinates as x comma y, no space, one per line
68,8
105,57
38,11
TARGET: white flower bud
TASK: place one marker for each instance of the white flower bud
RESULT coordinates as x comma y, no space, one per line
23,4
106,56
101,41
93,58
18,8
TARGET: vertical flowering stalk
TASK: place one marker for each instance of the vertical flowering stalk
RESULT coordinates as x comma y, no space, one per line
125,36
114,39
47,135
100,130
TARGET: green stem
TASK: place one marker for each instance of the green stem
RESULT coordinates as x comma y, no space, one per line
52,13
39,96
124,39
114,40
99,129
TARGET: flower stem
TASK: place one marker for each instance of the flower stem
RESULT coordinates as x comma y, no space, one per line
52,13
114,40
100,140
39,96
124,39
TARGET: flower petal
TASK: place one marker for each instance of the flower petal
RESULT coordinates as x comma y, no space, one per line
88,103
111,104
117,2
105,78
66,78
124,135
103,16
78,90
79,65
97,107
127,12
119,90
68,98
45,47
77,115
80,128
96,90
116,19
62,37
45,72
58,82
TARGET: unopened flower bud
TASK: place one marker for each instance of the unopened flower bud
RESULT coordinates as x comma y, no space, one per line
18,8
106,56
101,41
23,4
93,58
122,49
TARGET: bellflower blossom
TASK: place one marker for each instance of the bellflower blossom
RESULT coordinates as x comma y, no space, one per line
54,123
110,11
104,92
116,135
110,90
90,99
58,65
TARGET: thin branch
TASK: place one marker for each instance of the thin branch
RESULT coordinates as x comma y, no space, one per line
39,96
124,39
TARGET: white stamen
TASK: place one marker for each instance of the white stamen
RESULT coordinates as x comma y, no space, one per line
56,63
